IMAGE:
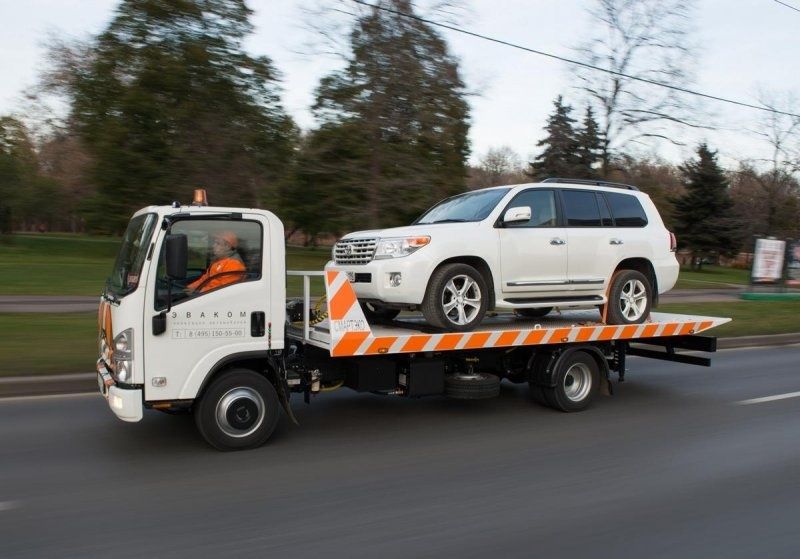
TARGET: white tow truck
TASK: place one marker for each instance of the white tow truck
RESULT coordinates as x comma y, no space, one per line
232,350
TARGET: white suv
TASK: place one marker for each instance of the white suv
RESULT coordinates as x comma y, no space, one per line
530,247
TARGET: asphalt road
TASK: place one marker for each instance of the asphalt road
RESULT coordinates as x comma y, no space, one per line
670,466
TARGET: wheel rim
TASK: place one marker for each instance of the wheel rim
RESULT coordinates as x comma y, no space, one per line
461,300
633,300
577,382
240,412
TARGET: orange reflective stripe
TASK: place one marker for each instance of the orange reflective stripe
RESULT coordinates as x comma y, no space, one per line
330,276
415,343
585,333
669,329
629,331
560,335
342,301
477,340
650,330
449,341
350,343
534,337
705,326
507,338
607,333
380,345
688,328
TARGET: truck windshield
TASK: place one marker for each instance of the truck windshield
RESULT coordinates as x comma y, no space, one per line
125,276
472,206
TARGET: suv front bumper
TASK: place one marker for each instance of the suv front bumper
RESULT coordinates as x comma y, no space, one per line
415,273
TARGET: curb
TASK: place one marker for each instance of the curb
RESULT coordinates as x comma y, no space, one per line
40,385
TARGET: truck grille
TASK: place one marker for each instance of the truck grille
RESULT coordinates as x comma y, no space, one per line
354,251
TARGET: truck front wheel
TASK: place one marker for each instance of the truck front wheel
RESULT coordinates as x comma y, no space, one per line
238,411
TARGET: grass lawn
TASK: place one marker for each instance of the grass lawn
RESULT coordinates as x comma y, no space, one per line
749,317
712,276
47,343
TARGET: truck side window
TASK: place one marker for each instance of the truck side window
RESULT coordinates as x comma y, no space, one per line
221,254
580,207
543,208
626,209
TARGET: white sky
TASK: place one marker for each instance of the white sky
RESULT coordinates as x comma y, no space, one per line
744,45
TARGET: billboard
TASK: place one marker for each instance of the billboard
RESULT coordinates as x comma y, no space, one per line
768,261
793,264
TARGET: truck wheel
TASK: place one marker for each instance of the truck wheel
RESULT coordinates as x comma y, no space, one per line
629,298
456,298
238,411
375,312
471,386
533,313
577,380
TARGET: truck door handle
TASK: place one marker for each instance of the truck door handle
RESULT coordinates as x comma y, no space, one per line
615,242
557,241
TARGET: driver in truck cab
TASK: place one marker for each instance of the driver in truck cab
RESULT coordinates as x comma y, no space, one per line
227,266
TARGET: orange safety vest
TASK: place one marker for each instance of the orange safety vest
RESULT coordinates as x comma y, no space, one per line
223,268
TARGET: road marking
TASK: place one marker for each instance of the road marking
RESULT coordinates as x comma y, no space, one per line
769,398
11,399
8,505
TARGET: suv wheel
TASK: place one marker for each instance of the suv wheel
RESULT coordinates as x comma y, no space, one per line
456,298
629,298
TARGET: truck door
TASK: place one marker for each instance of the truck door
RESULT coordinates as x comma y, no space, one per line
217,312
533,253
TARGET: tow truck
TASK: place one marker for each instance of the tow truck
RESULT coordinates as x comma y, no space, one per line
235,355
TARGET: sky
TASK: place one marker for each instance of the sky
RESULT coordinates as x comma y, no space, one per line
743,47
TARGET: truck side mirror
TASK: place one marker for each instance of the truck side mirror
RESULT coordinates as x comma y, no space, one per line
177,254
520,213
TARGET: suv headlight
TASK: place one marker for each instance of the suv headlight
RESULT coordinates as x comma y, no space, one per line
123,356
400,246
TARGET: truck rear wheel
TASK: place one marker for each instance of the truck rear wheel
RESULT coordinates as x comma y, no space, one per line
576,379
238,411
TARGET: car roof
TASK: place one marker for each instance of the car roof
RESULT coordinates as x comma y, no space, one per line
577,183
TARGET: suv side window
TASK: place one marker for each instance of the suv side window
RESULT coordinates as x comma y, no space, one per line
221,254
626,209
580,208
543,208
605,213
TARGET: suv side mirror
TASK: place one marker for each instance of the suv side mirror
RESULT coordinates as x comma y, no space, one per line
521,213
177,255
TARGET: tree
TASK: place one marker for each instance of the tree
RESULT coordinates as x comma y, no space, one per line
704,220
590,146
645,39
498,166
166,100
560,153
399,105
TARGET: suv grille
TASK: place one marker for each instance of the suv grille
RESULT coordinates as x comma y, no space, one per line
354,251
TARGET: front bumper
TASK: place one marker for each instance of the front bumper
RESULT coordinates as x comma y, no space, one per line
126,403
415,270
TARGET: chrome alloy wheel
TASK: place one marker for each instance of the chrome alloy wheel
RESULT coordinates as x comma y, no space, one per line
240,412
577,382
461,300
633,300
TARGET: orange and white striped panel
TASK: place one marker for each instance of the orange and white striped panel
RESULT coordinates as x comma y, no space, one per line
351,334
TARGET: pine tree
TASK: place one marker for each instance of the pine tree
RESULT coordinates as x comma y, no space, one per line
399,107
590,147
559,158
704,220
168,100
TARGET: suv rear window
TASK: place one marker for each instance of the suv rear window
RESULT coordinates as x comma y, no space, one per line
580,207
626,209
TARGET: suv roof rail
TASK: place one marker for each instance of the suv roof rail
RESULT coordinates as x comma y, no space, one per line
592,182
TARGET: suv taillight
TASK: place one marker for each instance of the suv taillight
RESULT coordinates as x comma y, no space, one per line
673,242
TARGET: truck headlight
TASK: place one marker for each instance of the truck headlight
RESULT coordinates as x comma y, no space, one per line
399,247
123,356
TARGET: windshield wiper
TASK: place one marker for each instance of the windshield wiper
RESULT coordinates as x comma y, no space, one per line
448,221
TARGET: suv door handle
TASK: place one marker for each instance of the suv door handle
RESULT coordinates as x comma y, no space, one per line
557,241
615,242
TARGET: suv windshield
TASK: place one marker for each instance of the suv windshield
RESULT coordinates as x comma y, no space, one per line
125,276
472,206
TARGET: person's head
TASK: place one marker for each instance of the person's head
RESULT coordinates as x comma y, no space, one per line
225,243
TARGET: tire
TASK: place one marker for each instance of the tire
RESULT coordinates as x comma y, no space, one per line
629,298
533,313
472,386
238,411
376,313
577,381
456,298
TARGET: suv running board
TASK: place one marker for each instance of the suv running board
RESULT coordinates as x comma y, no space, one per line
554,301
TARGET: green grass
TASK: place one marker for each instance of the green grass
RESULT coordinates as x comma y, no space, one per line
749,317
47,343
712,276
